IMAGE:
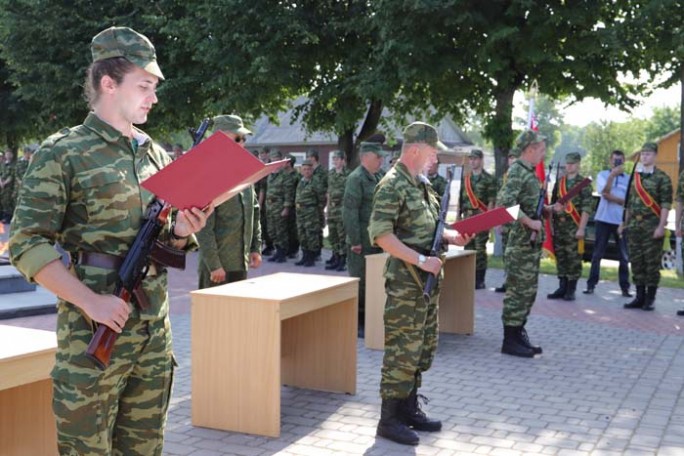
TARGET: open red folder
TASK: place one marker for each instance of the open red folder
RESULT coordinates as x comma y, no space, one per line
214,171
487,220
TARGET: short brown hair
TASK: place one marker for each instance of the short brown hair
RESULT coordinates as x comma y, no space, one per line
116,68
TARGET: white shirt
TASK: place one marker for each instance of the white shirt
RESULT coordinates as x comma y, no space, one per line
607,211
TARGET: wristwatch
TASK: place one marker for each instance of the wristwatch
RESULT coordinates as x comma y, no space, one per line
172,233
421,259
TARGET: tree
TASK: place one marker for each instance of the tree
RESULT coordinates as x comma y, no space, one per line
663,121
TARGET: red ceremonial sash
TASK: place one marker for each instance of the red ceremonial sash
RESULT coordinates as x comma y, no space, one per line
645,196
569,206
474,200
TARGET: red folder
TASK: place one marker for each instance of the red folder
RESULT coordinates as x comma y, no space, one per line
487,220
214,171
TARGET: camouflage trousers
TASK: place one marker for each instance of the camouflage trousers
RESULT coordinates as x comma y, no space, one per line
7,201
336,234
308,228
263,219
522,276
411,331
356,266
645,253
231,276
568,258
121,410
479,244
278,228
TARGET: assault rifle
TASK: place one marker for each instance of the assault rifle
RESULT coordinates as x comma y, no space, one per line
538,214
439,232
136,265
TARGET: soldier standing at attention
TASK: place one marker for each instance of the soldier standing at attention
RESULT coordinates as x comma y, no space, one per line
650,199
436,180
230,243
403,222
569,223
279,199
521,258
83,191
308,220
478,195
356,210
320,181
337,178
512,157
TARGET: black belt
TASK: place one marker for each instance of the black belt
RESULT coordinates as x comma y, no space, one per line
99,260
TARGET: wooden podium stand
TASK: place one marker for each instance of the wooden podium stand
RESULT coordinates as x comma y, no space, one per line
27,424
251,337
456,300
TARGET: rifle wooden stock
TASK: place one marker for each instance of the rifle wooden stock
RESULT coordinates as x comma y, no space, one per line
100,348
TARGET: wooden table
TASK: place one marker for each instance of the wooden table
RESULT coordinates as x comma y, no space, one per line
251,337
456,300
27,425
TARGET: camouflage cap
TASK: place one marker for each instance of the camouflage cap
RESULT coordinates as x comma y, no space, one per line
127,43
420,132
312,153
231,123
649,147
307,162
528,137
275,154
372,147
337,154
573,157
476,153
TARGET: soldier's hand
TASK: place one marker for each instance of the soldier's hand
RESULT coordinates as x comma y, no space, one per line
254,260
190,221
659,233
432,265
217,275
534,225
620,229
285,212
558,208
356,249
108,310
579,234
456,238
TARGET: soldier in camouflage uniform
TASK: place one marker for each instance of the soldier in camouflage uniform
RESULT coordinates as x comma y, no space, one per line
230,243
569,224
337,178
438,182
513,155
521,257
7,182
403,221
279,201
260,189
83,191
20,170
679,222
307,203
478,195
320,181
293,235
356,210
650,199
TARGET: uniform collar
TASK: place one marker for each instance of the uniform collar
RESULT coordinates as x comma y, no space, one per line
111,134
403,170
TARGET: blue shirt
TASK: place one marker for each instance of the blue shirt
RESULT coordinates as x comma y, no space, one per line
607,211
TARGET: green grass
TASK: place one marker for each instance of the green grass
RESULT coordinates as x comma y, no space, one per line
668,278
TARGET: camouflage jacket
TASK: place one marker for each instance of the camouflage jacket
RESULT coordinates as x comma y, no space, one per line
20,170
583,202
357,204
336,184
232,232
658,185
484,187
320,181
438,184
83,191
405,206
522,187
7,172
280,190
307,194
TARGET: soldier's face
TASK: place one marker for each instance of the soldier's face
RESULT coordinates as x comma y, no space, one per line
307,171
427,156
338,162
475,162
373,162
571,168
648,158
538,152
136,95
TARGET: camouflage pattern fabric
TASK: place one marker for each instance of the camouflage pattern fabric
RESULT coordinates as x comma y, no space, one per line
292,235
521,260
260,188
82,190
356,210
320,181
568,258
19,172
308,217
408,208
7,200
438,183
279,195
232,232
336,236
645,253
484,187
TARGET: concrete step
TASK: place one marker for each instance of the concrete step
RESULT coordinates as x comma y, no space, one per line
26,304
13,282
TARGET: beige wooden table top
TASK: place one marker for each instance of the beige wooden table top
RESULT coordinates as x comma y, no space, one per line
26,355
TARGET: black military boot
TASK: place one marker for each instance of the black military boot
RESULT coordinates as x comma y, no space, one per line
650,298
570,290
638,301
303,259
526,341
342,265
334,262
390,425
412,415
479,279
501,289
332,259
309,258
513,343
561,290
268,251
277,255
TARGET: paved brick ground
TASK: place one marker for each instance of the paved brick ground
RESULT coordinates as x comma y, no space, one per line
609,383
